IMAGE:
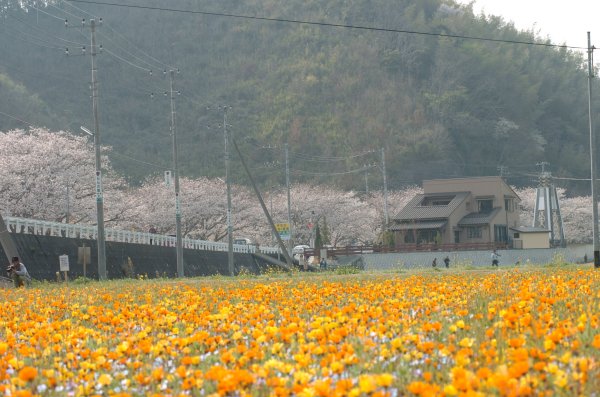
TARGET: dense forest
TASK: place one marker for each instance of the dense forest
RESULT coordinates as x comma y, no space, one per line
440,106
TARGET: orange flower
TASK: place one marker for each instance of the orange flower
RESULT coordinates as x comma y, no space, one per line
27,374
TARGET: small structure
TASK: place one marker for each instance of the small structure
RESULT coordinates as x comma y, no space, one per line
462,211
526,237
547,210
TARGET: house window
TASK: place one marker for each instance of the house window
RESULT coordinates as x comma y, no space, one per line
500,233
427,236
436,201
508,205
409,237
485,205
474,232
517,235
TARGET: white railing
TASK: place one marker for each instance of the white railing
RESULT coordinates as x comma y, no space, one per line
87,232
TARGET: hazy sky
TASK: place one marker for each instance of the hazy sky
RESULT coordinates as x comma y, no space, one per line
561,20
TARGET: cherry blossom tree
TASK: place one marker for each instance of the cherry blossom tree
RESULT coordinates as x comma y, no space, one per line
203,208
43,172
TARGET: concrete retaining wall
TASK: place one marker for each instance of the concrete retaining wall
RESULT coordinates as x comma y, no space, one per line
476,258
40,256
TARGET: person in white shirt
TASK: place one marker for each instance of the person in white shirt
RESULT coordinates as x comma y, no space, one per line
495,257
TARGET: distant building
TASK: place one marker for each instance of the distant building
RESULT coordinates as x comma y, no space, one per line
525,237
459,211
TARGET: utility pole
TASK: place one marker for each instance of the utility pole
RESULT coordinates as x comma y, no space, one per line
289,200
99,195
179,245
593,155
385,193
67,210
230,265
288,258
503,170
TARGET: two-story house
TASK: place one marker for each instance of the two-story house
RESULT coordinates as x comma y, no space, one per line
457,211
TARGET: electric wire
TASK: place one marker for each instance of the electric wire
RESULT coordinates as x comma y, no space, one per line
328,158
302,172
109,52
105,49
41,44
47,13
328,24
16,118
152,66
158,166
162,64
65,11
45,32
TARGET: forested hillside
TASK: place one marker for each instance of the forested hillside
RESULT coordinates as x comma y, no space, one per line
441,107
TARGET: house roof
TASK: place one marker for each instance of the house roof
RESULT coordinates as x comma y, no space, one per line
530,229
477,179
413,210
478,218
418,225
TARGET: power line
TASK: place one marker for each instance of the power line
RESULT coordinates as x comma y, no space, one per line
128,53
45,32
47,13
329,158
362,169
102,47
328,24
121,36
161,167
18,119
124,60
39,42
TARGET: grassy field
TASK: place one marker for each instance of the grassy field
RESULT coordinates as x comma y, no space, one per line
526,331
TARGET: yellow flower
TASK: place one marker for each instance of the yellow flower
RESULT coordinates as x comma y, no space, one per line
104,379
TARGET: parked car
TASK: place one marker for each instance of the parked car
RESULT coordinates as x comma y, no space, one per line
242,241
299,249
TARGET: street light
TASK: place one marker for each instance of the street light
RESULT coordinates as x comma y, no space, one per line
99,208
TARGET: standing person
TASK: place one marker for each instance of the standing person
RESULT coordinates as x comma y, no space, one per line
18,272
447,261
323,264
495,257
434,263
152,230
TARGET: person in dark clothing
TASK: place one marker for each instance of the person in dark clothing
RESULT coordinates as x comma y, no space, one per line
18,272
434,263
323,264
447,262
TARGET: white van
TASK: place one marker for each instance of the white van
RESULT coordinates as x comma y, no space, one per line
299,249
242,241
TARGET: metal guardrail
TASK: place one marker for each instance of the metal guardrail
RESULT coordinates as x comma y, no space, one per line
87,232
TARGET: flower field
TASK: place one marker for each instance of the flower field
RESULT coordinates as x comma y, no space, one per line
506,332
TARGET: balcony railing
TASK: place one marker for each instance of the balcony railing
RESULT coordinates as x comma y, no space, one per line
87,232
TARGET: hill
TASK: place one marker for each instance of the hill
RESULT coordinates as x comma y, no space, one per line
441,106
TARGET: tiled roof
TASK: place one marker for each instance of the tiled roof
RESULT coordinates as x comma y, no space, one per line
418,225
478,218
413,210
